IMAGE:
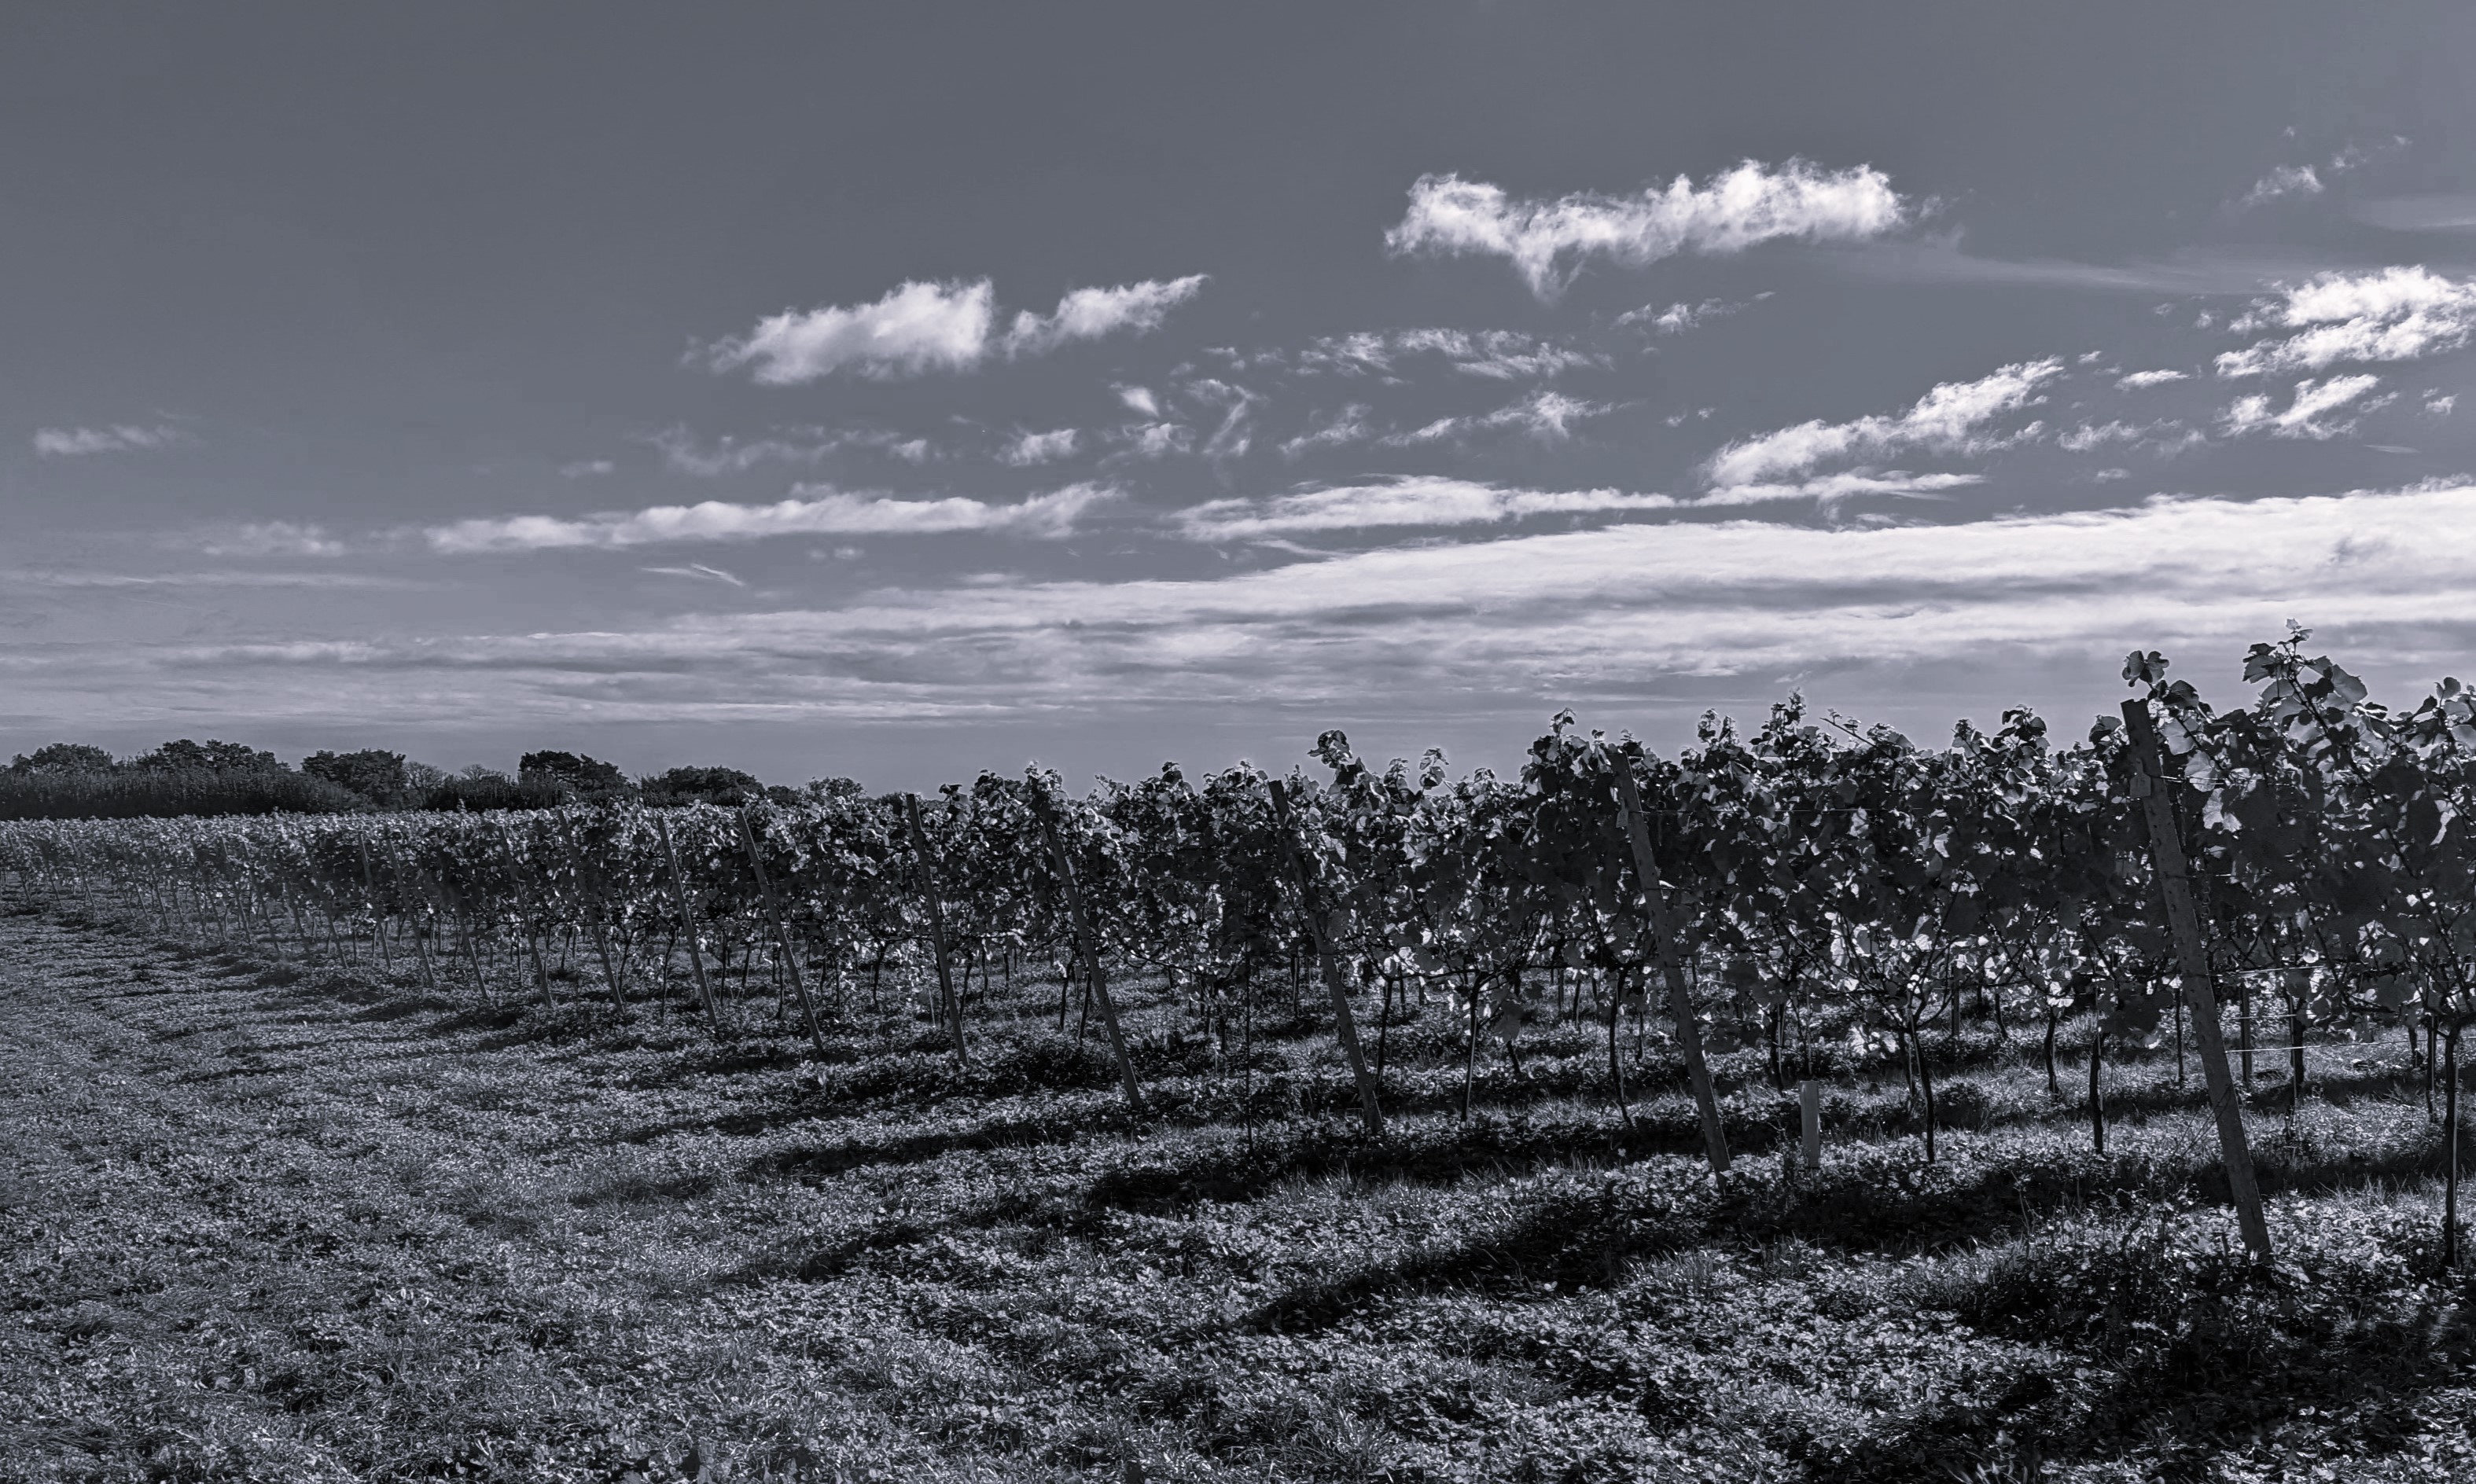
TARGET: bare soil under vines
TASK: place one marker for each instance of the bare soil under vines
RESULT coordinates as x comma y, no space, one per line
264,1222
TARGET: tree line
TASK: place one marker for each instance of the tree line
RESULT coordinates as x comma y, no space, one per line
183,777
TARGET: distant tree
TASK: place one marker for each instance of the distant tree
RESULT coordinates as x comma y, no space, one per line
187,757
589,777
827,790
703,786
376,776
63,757
420,778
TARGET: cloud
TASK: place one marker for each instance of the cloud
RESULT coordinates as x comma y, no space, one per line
1831,488
274,538
2397,313
2281,183
683,454
2440,212
1140,399
1344,427
1677,318
2142,381
1545,240
586,469
918,327
1499,355
1408,502
118,439
1612,615
1950,418
1089,313
832,512
1036,448
2305,417
2168,436
2439,405
925,326
699,570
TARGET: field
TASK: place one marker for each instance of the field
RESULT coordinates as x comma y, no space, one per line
270,1221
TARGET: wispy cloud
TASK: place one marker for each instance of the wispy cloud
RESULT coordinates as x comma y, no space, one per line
586,469
118,439
1338,430
2398,313
1500,354
1039,448
1831,488
1408,502
1677,318
1547,241
1089,313
830,513
923,327
273,538
2284,183
2142,381
699,570
1530,621
1954,417
2311,412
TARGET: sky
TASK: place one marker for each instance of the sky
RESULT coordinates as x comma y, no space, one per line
894,392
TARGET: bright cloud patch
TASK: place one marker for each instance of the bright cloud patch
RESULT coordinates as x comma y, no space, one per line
2394,315
2142,381
1400,502
925,326
1036,448
1499,355
1954,417
1051,515
2312,414
118,439
1545,240
1089,313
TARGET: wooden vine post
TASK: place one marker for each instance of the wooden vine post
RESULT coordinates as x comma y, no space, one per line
781,933
1663,935
1345,1025
688,924
2192,962
1087,948
949,1004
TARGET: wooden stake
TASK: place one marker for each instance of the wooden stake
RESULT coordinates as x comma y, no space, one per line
1345,1025
782,933
2192,959
1087,948
1680,1001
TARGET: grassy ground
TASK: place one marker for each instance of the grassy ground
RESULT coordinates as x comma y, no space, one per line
262,1224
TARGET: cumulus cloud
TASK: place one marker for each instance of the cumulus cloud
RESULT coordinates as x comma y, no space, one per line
2310,414
1547,241
924,326
2142,381
2397,313
1953,418
118,439
1400,502
807,512
1089,313
1037,447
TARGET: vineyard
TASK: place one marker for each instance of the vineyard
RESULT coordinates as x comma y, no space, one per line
1811,1105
